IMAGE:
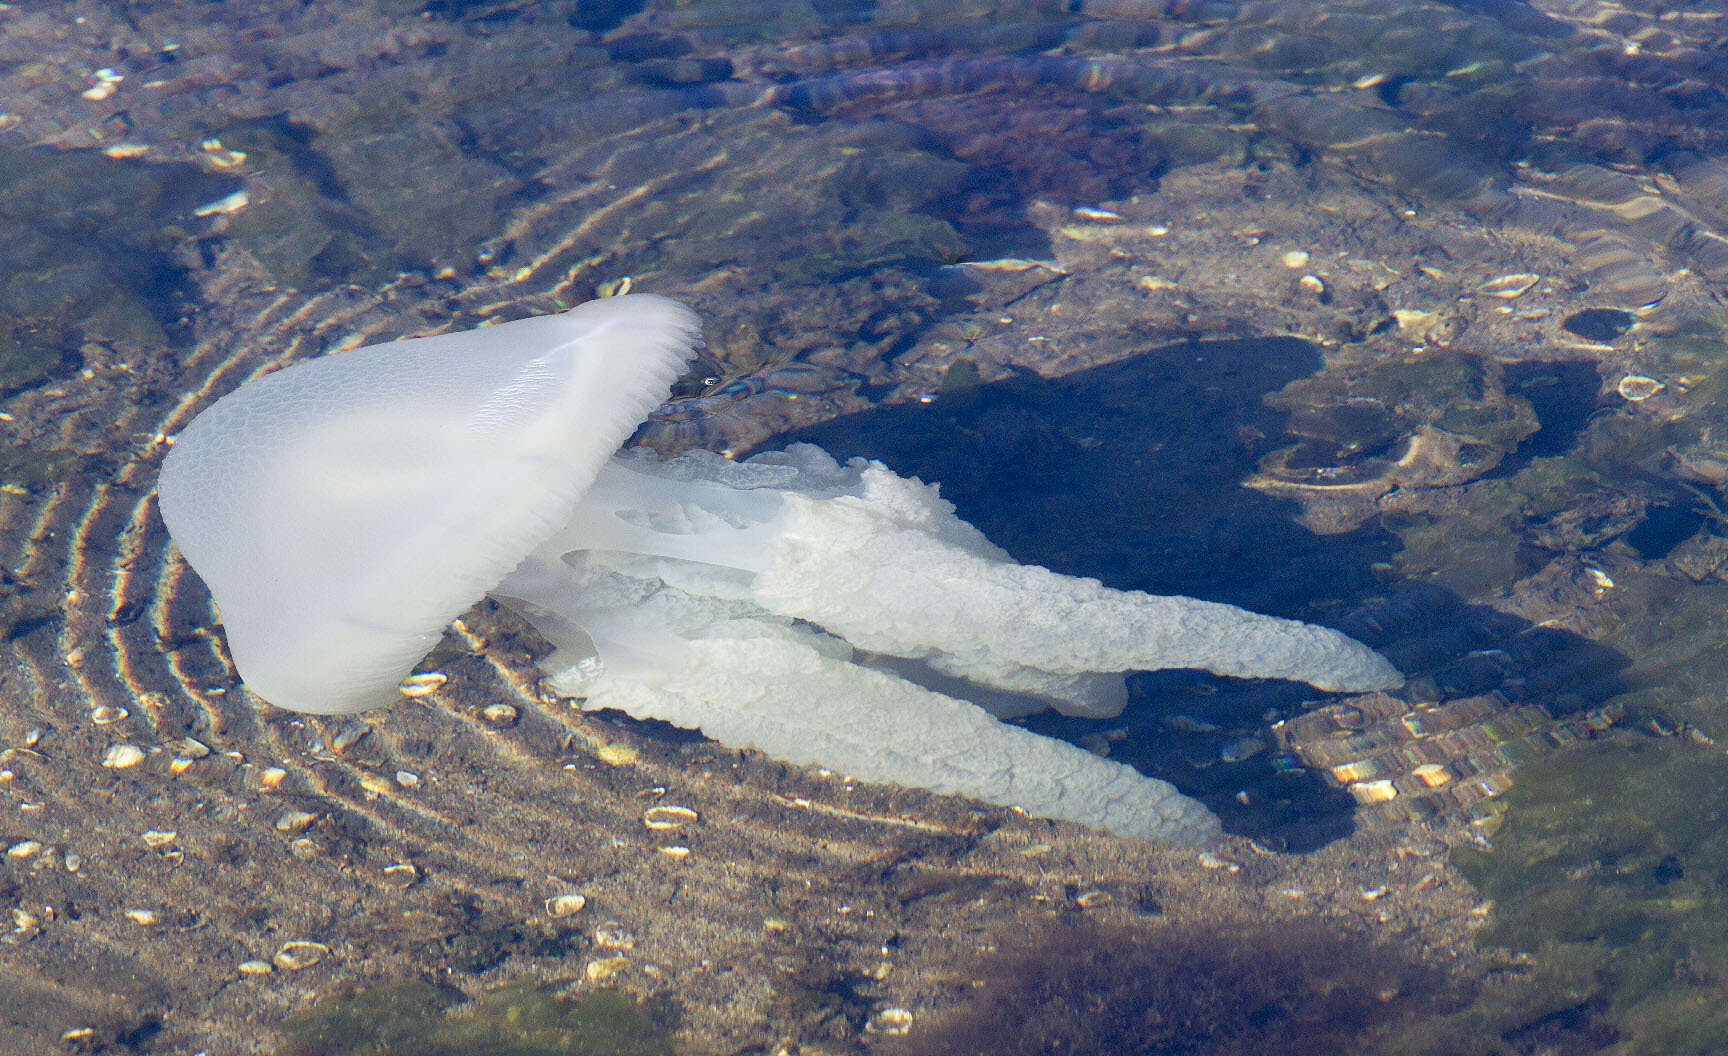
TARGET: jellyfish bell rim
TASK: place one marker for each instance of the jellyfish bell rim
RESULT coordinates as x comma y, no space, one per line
523,413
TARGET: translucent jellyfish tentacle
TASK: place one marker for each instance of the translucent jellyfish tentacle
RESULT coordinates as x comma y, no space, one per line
756,691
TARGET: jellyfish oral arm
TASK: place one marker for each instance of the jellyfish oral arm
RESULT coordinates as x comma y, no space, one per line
845,616
883,562
795,703
919,581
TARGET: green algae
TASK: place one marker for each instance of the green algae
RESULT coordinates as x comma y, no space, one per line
1594,492
290,224
1474,548
24,360
399,126
89,246
422,1019
1607,874
858,199
26,466
1462,394
328,205
1610,871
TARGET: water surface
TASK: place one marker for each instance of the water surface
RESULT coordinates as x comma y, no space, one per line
1400,317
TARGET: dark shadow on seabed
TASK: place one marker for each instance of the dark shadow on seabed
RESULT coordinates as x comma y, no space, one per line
1132,473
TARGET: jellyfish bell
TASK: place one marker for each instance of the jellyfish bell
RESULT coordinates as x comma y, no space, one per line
345,509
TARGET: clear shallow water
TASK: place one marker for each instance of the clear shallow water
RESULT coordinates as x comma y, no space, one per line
1030,252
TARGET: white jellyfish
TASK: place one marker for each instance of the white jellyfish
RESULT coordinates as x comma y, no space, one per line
344,510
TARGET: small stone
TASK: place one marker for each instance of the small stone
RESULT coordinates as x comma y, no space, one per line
293,821
122,756
1508,287
424,684
1240,749
668,817
1208,860
889,1021
1431,774
298,955
348,736
1636,387
604,970
1373,791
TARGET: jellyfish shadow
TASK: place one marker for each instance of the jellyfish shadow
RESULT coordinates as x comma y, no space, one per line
1132,473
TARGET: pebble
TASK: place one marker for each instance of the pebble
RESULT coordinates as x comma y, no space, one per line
1636,387
1208,860
890,1021
423,684
297,955
668,817
122,756
1241,748
604,970
292,821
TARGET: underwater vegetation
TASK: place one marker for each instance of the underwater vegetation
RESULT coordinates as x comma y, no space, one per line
1086,989
1621,919
422,1019
89,247
1609,871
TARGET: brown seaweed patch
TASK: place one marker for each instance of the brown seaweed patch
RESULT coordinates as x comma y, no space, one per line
1291,987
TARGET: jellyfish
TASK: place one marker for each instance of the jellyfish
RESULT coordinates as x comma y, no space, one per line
344,510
